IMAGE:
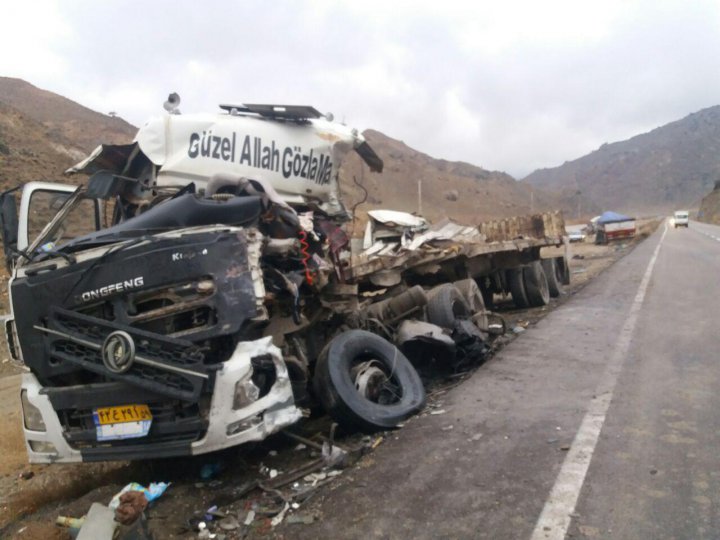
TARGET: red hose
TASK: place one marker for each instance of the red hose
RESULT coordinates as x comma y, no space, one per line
304,247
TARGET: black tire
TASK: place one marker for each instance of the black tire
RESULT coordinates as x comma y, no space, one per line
536,285
445,305
561,263
516,284
474,298
336,378
554,277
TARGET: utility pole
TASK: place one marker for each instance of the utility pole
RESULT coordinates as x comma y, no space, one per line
419,196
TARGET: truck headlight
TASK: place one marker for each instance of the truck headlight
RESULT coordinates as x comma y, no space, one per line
245,393
31,414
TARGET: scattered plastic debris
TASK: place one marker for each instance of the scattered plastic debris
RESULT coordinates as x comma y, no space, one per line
229,523
249,518
69,522
99,524
210,513
439,411
152,492
278,518
518,330
302,519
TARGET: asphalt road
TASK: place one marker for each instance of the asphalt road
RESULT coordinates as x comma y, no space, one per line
603,421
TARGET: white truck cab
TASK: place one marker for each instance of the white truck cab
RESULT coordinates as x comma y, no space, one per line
681,218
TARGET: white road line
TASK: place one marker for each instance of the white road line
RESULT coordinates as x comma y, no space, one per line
555,518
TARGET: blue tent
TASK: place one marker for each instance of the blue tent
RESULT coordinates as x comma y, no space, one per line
613,217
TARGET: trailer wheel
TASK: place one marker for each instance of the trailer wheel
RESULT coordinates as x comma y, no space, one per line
554,277
564,269
516,284
366,383
446,304
536,285
474,298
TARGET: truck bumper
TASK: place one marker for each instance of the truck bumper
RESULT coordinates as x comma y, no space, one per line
237,414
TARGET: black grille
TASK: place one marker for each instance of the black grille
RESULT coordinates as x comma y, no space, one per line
169,352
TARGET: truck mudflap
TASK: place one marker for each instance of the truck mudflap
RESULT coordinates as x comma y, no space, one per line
239,412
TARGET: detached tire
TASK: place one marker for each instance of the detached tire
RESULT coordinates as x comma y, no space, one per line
446,304
554,277
536,285
516,284
364,382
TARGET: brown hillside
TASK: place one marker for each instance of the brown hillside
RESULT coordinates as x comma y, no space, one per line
670,167
27,153
66,122
459,190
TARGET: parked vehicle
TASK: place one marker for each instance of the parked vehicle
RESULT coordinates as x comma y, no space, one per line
199,290
681,218
613,226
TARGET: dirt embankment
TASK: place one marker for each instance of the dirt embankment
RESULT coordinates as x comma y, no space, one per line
710,206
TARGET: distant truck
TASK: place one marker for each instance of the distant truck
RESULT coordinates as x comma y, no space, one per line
199,291
681,218
613,226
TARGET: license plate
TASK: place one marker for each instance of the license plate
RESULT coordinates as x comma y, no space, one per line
124,422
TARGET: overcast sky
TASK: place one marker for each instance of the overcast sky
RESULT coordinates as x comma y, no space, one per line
507,85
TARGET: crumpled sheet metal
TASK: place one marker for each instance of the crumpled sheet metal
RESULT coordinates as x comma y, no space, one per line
411,330
446,240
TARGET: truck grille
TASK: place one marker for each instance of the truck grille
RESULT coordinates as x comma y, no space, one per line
168,366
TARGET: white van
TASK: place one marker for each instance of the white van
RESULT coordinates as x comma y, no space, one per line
681,219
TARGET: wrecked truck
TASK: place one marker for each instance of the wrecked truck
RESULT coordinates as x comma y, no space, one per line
199,291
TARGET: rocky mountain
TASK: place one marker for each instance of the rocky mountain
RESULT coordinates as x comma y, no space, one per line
41,133
669,167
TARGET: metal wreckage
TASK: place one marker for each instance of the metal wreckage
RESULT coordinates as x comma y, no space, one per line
199,291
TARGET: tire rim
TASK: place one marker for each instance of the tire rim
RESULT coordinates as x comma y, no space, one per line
373,383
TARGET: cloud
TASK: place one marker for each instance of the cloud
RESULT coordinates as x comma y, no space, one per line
512,86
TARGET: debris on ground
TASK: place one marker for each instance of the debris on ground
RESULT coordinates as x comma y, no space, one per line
99,524
132,505
152,492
